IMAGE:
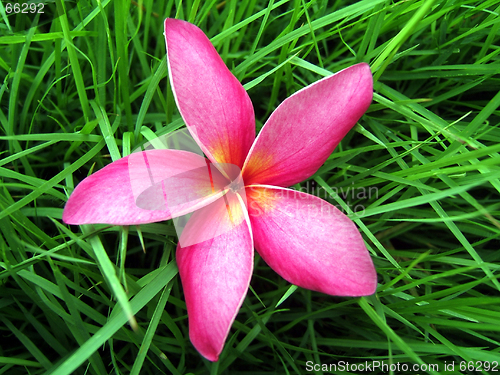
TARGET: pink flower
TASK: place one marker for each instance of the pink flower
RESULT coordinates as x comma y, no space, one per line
239,193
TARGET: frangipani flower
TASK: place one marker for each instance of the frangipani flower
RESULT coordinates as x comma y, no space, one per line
239,192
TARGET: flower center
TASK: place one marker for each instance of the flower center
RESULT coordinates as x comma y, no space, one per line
236,185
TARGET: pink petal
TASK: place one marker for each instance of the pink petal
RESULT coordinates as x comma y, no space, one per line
212,102
215,275
304,130
215,219
145,187
309,242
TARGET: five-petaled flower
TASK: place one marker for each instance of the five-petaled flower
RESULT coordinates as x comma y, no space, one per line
239,190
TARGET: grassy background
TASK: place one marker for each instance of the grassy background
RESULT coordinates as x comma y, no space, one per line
85,83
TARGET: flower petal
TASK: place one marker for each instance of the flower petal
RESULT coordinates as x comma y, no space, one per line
309,242
217,218
304,130
212,102
215,275
145,187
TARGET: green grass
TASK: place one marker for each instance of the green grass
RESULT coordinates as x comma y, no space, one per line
86,82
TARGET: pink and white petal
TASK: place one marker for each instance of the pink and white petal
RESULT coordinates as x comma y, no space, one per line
309,242
305,129
145,187
215,276
212,102
211,221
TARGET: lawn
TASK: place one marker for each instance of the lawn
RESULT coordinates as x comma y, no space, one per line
84,83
